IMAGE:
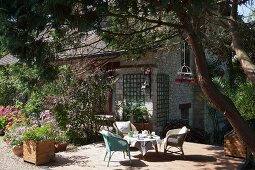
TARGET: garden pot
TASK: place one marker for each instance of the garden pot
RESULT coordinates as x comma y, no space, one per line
61,146
38,152
1,132
18,150
143,126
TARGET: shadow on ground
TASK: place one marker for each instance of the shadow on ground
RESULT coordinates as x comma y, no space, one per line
67,161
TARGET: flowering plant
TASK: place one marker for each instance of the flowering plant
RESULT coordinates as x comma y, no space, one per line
42,133
14,136
61,136
9,115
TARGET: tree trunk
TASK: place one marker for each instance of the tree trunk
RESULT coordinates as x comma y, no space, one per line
241,55
222,102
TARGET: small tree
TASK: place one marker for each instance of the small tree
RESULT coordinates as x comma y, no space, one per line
84,99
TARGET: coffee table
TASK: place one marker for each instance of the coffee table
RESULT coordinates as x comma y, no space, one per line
143,143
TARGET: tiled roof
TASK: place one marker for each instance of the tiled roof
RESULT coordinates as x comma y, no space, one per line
8,59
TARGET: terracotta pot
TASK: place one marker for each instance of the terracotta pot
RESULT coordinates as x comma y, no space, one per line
18,150
61,146
1,132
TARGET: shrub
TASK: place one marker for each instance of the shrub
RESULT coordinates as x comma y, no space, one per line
84,99
136,112
42,133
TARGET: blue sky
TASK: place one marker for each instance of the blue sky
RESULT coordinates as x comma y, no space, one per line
245,10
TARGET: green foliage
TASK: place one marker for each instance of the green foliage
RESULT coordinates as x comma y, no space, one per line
15,135
3,122
243,96
16,142
60,112
34,104
7,88
245,100
83,100
136,111
61,136
42,133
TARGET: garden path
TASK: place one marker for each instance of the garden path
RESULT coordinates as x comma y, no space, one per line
8,161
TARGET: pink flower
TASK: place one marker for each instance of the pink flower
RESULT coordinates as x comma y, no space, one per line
8,140
10,123
10,119
15,111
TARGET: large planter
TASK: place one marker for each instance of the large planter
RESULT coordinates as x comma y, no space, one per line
61,146
18,150
235,147
143,126
38,152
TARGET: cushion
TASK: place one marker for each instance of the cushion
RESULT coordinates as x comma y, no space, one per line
183,130
124,127
172,140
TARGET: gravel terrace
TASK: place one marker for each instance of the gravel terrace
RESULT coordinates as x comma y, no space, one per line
9,161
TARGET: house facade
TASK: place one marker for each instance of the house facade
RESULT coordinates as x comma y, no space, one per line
152,80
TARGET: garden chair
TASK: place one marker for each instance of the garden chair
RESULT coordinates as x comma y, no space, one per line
175,138
122,128
114,143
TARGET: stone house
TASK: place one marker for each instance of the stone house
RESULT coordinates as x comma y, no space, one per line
152,79
165,99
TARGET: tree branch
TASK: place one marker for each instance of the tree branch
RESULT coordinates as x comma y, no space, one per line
124,34
144,19
241,55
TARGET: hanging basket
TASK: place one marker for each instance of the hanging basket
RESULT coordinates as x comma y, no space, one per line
184,75
185,80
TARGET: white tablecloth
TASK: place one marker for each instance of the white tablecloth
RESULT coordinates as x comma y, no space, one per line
143,144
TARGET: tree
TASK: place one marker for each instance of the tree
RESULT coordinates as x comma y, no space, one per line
37,30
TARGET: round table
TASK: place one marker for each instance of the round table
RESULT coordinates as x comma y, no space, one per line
143,143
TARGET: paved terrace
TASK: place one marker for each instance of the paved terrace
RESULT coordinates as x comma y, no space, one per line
198,156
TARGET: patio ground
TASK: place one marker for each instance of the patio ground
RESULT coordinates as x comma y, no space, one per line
197,156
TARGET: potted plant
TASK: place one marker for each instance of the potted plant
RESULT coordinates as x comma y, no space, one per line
17,146
138,114
3,123
61,141
38,145
15,135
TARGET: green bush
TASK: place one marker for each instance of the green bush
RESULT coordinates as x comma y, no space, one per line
3,122
42,133
136,111
84,99
245,100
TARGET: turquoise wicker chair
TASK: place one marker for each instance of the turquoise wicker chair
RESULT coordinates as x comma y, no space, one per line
114,143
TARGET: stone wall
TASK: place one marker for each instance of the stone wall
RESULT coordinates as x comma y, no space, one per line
169,63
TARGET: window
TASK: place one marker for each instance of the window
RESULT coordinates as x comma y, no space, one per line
185,110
